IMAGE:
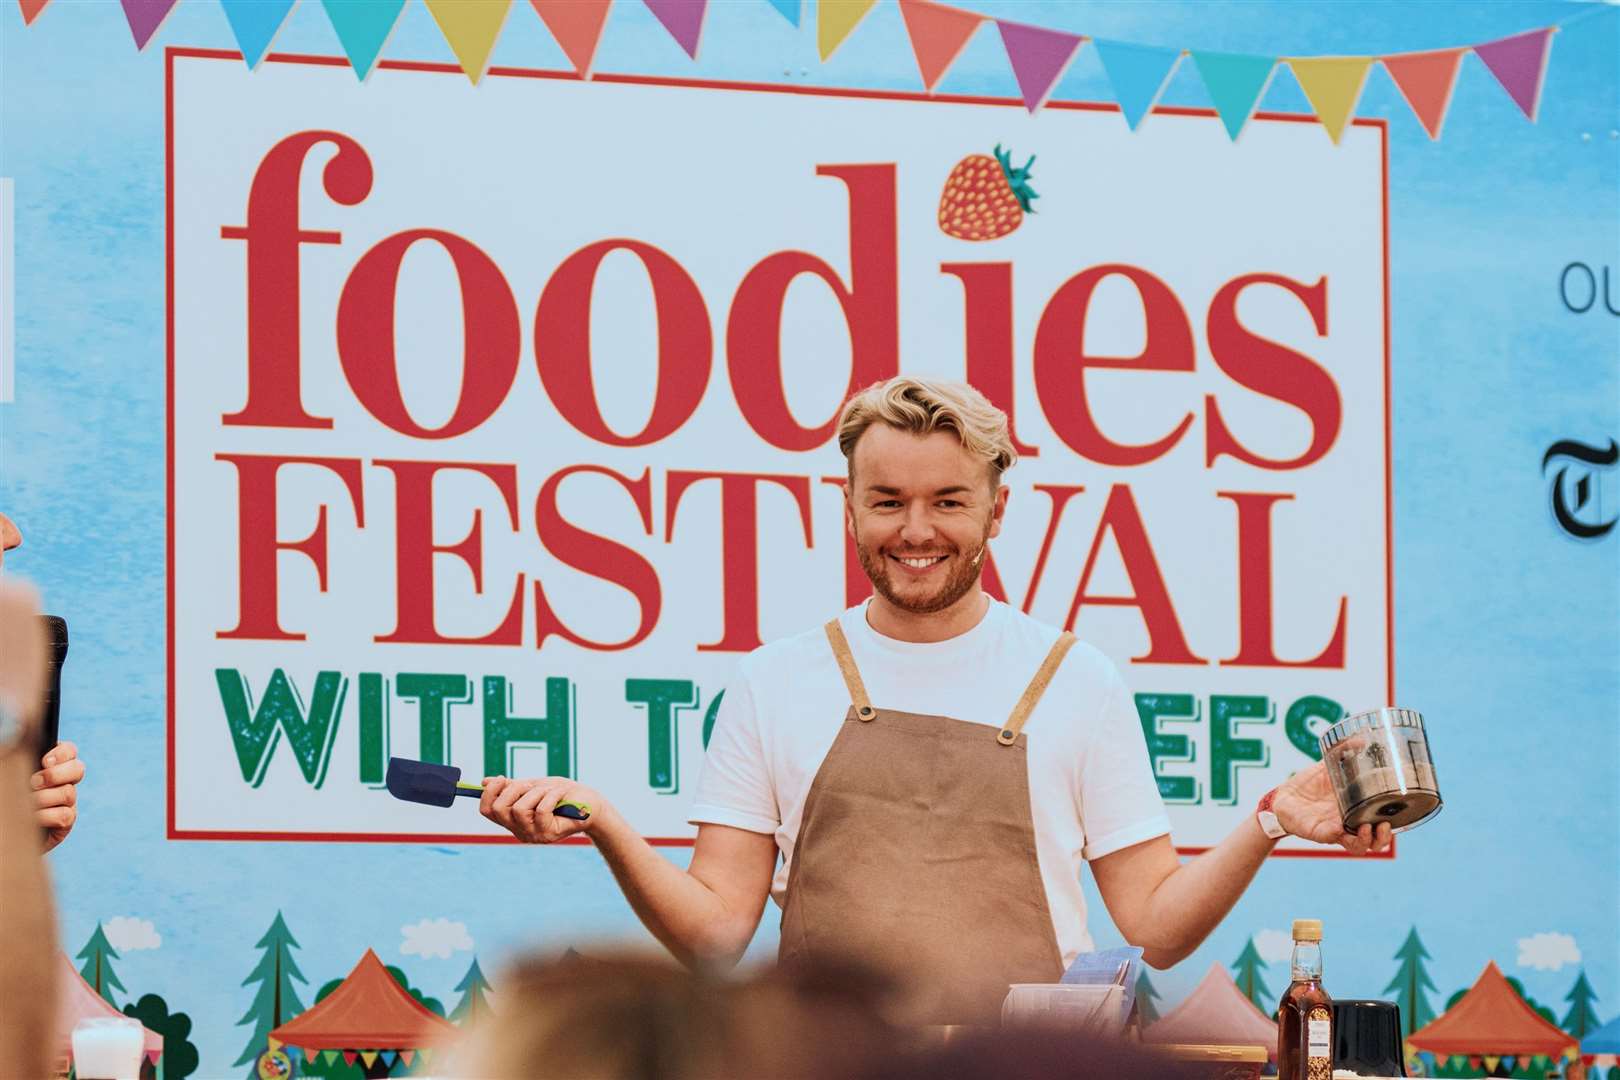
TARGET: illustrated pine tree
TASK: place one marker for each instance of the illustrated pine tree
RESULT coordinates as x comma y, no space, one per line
98,955
1410,981
474,990
1246,972
1581,1020
277,999
1146,995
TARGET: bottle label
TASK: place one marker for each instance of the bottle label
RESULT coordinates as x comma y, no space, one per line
1319,1044
1321,1038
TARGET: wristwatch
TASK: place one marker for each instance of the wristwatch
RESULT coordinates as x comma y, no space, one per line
1268,820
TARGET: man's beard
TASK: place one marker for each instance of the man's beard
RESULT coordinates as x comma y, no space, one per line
964,575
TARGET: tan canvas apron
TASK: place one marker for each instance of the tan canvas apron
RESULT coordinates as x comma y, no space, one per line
916,855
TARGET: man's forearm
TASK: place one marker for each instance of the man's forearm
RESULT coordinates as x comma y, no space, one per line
685,915
1191,901
28,933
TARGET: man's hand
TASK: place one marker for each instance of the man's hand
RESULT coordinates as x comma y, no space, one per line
56,793
524,807
1305,805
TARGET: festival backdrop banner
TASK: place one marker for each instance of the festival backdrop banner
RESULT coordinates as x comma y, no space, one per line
501,455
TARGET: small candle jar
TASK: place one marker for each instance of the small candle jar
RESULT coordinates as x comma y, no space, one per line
108,1048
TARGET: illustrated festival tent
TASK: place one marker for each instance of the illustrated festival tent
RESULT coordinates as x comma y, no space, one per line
1492,1019
367,1016
1216,1012
1602,1047
77,1000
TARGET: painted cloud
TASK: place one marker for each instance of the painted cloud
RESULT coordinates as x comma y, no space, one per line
1548,951
435,937
129,934
1274,946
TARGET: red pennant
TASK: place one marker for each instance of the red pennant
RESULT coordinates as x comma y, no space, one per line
1519,64
577,26
349,1056
1426,81
31,10
938,36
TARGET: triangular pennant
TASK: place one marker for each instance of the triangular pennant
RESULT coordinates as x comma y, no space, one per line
362,28
938,36
577,26
1426,81
790,9
1491,1060
407,1056
349,1056
31,10
152,1056
274,1043
1138,73
368,1058
835,19
311,1056
425,1053
1519,64
1333,85
683,19
1038,57
1235,82
471,30
389,1058
1509,1061
145,16
254,23
329,1056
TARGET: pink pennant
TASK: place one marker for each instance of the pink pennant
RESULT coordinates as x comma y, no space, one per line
145,16
1519,64
683,19
1038,57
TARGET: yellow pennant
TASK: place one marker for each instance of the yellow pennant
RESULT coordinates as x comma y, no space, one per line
1490,1061
471,27
834,21
275,1044
1333,85
369,1057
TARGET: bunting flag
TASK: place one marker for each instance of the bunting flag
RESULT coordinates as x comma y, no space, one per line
145,16
389,1057
1426,81
789,8
1235,82
31,10
362,28
407,1056
273,1043
254,24
1138,74
471,30
425,1053
1509,1061
368,1058
1038,58
1332,85
350,1055
1519,64
835,19
683,19
1491,1060
577,26
938,36
329,1056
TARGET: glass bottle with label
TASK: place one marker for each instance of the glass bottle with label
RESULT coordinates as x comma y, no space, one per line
1305,1013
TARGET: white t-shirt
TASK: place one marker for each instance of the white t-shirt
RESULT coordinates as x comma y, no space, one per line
1092,789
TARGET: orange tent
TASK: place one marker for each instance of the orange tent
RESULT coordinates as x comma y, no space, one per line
1215,1012
1492,1019
77,1000
368,1011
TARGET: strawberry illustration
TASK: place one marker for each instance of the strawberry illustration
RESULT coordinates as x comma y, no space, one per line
985,198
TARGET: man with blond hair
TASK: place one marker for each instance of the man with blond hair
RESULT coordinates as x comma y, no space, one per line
932,766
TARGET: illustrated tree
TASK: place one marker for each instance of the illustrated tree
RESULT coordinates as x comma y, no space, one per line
1410,982
98,955
474,990
277,999
1246,971
1581,1020
179,1053
1146,995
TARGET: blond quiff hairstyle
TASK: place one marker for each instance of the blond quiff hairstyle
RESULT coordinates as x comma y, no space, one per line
923,406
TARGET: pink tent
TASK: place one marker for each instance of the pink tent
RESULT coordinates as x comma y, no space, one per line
1216,1012
77,1000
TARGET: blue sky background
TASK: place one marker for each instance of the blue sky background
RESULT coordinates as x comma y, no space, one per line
1507,631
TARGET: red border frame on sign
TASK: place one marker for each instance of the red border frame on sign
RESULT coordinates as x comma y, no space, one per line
174,52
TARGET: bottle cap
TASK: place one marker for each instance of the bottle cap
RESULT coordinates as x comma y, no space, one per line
1307,929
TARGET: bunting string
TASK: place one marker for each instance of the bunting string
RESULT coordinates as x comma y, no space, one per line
1038,56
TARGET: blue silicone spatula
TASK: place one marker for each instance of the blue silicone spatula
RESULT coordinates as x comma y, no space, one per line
439,785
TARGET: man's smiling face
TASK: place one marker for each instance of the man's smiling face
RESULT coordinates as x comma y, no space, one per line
921,510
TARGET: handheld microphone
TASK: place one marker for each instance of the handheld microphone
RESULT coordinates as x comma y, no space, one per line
50,722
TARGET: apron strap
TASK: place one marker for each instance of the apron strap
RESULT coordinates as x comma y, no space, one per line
1037,687
846,665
